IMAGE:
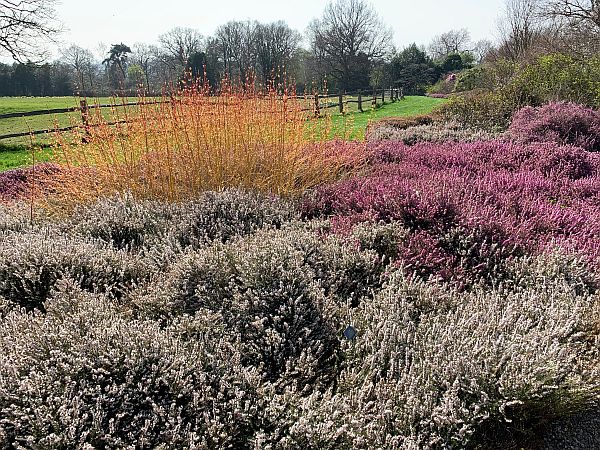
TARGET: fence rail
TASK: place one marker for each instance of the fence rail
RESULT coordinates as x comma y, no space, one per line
319,102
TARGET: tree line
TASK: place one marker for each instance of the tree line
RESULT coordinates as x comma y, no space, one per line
347,48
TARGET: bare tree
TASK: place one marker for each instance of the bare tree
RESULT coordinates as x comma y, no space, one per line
275,44
482,49
236,42
24,26
82,62
574,25
578,11
144,56
521,28
453,41
347,38
180,44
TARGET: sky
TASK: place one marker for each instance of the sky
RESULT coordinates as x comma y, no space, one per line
88,23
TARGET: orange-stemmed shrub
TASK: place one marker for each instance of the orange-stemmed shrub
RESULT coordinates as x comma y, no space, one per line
194,141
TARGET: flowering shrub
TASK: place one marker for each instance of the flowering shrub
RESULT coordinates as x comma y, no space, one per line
131,223
276,292
564,123
14,217
32,263
470,206
434,369
235,339
401,123
18,183
436,132
224,215
83,375
437,95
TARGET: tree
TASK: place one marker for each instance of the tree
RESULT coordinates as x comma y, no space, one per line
412,70
180,43
481,50
23,25
349,34
576,27
82,62
116,63
144,56
275,45
236,42
450,42
578,11
521,29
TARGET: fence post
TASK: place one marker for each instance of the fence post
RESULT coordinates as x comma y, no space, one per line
85,119
360,101
374,100
317,109
383,95
341,102
401,94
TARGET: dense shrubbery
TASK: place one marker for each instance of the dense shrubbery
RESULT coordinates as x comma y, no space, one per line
563,123
471,207
17,183
490,110
508,88
469,270
437,132
401,123
135,224
31,263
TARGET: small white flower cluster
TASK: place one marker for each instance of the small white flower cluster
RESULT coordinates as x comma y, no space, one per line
32,261
121,335
137,224
436,132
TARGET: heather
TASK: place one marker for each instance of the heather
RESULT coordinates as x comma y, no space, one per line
21,183
437,132
563,123
440,292
471,207
260,361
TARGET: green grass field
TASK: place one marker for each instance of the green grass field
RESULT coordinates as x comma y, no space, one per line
16,152
354,123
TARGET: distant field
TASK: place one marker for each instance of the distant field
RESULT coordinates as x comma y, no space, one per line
358,122
15,152
42,122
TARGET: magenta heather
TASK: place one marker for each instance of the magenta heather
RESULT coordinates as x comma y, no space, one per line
469,206
563,123
16,183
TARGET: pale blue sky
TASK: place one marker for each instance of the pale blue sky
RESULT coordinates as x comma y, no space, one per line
113,21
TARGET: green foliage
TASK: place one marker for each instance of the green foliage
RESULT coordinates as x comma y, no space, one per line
412,70
489,110
561,77
504,88
470,79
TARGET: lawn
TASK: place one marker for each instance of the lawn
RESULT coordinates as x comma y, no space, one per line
42,122
410,106
15,152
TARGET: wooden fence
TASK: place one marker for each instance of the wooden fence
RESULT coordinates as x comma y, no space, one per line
319,102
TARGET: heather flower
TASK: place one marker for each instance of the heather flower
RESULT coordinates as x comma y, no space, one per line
436,132
561,122
498,195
